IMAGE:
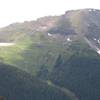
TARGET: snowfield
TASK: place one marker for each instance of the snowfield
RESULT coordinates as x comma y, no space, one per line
6,44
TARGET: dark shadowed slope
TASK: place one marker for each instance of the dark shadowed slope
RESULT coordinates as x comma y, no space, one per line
80,73
18,85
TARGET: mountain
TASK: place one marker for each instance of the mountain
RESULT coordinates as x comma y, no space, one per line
63,50
38,44
18,85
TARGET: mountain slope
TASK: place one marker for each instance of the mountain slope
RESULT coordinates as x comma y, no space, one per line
79,73
18,85
61,49
39,43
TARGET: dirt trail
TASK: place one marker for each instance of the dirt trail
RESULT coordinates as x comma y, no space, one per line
68,93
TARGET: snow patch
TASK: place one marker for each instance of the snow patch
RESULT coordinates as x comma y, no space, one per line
99,41
6,44
49,34
68,39
90,10
95,39
98,51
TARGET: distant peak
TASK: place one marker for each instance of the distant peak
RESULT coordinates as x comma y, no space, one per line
79,10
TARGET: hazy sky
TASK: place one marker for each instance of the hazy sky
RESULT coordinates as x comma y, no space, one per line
21,10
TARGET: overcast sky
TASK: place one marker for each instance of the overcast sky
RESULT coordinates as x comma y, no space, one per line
22,10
